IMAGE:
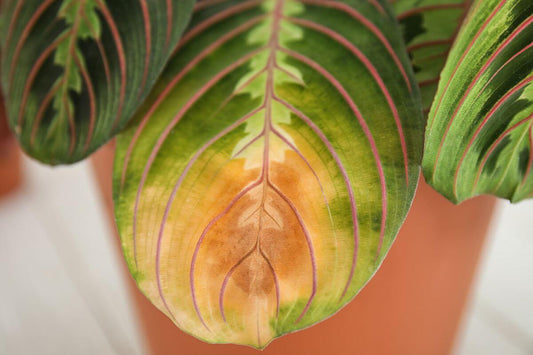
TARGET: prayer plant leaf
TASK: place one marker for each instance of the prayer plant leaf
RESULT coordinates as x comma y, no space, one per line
479,138
267,175
75,71
429,29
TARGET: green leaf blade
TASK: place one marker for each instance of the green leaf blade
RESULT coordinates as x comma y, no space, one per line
75,71
429,29
264,180
478,138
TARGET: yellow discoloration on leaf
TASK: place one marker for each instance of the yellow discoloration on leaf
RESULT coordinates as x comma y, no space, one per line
263,237
259,193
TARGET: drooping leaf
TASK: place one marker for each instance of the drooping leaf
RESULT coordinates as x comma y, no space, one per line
429,29
264,180
479,137
74,71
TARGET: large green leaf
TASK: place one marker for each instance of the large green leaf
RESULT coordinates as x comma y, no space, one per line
429,28
74,71
479,137
265,179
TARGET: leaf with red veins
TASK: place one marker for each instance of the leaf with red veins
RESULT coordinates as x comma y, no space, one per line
263,183
76,70
478,138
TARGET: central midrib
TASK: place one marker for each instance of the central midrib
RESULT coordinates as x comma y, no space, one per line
269,92
72,38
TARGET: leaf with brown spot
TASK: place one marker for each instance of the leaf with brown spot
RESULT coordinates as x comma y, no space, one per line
262,184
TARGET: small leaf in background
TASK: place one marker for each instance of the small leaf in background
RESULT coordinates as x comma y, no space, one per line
75,71
479,137
264,180
429,28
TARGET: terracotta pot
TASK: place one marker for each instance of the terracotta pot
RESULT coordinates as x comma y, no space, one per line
10,164
412,306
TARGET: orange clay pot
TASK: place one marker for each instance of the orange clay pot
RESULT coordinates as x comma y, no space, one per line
10,165
412,306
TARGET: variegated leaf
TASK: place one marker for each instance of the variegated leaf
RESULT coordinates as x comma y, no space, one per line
265,179
74,71
480,137
429,29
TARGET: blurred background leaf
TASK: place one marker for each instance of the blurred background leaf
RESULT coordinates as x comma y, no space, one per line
429,29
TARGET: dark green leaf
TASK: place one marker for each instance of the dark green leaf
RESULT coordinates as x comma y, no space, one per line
429,28
74,71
